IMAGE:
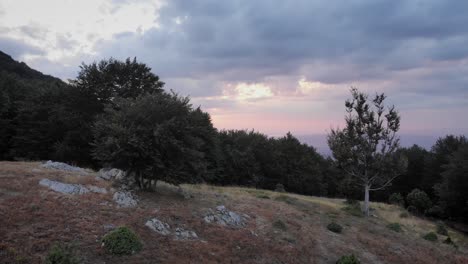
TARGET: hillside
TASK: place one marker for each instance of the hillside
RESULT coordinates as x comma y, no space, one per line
279,228
9,65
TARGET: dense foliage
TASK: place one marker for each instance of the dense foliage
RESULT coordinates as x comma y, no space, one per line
115,113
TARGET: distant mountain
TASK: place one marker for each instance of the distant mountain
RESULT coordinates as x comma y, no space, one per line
9,65
320,141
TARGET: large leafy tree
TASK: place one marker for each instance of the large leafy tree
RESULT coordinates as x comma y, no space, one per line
155,137
97,86
366,148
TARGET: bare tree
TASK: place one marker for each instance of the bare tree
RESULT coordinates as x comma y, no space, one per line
366,148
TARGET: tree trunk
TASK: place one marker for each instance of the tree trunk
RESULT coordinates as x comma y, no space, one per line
366,200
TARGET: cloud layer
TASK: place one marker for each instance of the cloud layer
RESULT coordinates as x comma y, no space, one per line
274,67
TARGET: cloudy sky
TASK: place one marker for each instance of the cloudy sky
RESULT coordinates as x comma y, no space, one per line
275,66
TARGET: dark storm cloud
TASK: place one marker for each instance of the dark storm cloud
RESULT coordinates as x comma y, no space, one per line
247,40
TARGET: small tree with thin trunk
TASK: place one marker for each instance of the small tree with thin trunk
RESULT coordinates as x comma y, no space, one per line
366,148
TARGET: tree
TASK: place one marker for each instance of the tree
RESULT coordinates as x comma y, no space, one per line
366,148
155,137
453,188
439,157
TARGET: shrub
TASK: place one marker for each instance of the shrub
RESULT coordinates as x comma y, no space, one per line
435,211
404,215
279,188
395,227
419,200
351,259
61,255
122,241
396,199
431,236
449,241
441,229
334,227
278,224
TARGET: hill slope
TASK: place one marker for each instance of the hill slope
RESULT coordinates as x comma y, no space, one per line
280,228
9,65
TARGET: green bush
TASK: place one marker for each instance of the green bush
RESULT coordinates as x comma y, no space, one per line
334,227
395,227
449,241
350,201
441,229
122,241
278,224
59,254
435,211
351,259
396,199
431,236
419,200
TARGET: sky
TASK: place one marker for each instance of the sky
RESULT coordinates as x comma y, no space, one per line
272,66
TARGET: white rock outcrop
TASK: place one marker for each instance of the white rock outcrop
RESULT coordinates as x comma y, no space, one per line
62,166
158,226
225,217
67,188
111,174
125,199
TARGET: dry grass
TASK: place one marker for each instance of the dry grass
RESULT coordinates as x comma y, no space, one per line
33,218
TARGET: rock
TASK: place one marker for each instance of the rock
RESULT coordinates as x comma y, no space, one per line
64,187
70,188
96,189
111,174
183,234
158,226
225,217
125,199
109,227
62,166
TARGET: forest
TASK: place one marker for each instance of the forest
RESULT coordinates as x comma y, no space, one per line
120,114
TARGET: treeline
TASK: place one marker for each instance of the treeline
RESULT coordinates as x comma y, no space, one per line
116,113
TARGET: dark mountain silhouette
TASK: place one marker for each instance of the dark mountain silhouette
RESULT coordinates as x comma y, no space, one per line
22,70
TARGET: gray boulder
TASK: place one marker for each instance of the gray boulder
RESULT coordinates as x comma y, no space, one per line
225,217
62,166
125,199
70,188
183,234
158,226
111,174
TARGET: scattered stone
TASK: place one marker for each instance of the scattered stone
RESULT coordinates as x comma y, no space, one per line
109,227
70,188
111,174
125,199
62,166
225,217
158,226
183,234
